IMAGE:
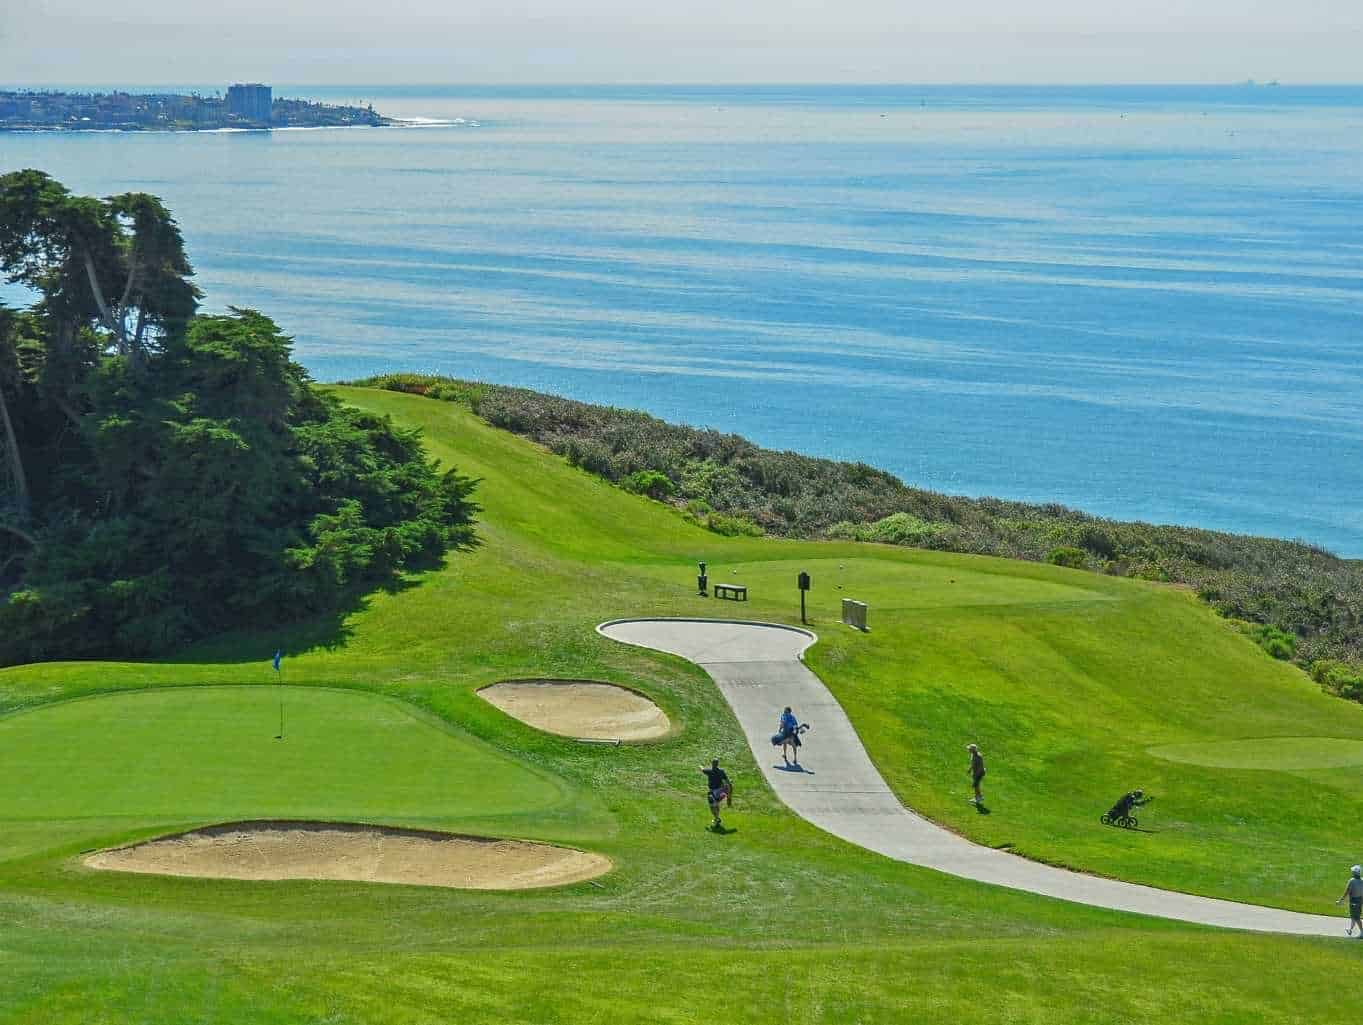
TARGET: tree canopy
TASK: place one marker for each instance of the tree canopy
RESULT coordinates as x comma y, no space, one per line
169,474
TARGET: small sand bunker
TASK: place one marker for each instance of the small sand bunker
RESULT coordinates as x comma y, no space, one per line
579,708
370,854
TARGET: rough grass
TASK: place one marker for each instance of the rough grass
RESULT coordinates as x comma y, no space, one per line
1065,678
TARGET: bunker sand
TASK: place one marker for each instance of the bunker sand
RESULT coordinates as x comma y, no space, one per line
359,853
579,708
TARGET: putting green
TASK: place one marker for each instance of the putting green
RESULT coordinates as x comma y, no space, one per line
1279,754
208,754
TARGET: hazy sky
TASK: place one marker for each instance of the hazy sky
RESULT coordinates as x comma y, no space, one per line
421,41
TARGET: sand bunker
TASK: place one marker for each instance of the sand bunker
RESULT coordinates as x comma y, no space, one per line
579,709
370,854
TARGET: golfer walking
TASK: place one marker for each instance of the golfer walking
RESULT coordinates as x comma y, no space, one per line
976,772
719,789
1354,894
788,736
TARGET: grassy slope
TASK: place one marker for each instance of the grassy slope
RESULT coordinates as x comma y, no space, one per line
774,919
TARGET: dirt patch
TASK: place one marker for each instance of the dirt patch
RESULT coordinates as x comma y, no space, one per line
579,708
370,854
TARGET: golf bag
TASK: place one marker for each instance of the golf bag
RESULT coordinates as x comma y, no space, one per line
789,736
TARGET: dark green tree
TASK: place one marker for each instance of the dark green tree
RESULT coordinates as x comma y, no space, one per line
119,262
192,477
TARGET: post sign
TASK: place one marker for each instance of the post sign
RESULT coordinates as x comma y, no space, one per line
803,580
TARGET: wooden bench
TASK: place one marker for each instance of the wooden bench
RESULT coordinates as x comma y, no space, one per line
735,591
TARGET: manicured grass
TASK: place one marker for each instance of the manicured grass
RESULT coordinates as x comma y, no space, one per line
1280,754
1067,680
1067,701
162,759
1104,978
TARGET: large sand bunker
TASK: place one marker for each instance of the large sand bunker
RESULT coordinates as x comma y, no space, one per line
579,708
370,854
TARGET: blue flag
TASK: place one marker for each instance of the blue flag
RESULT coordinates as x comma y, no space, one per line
277,656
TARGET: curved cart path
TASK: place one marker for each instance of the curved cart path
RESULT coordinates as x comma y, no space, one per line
759,670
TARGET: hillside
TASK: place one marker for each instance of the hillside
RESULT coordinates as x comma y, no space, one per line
734,486
1074,684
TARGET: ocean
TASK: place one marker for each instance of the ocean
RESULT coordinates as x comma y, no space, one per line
1144,302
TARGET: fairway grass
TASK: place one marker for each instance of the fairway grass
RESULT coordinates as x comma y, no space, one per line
1268,754
1067,680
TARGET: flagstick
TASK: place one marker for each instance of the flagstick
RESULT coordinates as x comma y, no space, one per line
279,677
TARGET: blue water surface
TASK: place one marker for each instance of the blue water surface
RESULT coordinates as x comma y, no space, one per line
1143,302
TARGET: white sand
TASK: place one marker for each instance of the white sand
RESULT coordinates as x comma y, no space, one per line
579,709
371,854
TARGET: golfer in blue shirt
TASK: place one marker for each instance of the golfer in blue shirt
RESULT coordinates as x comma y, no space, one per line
788,736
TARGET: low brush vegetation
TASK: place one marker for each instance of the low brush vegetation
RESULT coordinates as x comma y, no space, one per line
1311,600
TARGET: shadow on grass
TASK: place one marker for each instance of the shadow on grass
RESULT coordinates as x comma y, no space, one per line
328,630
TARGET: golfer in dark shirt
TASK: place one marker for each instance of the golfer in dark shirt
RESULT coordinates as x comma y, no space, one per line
719,789
1354,894
976,772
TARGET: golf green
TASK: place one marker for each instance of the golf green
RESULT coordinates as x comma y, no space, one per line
210,754
1279,754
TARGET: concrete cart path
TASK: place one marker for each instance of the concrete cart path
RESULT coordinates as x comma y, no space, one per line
759,671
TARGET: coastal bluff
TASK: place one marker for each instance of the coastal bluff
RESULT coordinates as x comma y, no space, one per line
244,106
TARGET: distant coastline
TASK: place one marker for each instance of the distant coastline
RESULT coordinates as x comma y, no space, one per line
244,107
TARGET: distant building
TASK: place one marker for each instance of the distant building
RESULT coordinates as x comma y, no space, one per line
245,106
252,102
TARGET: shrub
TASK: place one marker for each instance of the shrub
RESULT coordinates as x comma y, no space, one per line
1097,540
590,455
902,528
899,528
722,487
1339,678
733,526
1278,643
651,483
1068,555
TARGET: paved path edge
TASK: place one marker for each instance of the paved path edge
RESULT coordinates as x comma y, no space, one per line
758,672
